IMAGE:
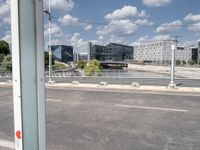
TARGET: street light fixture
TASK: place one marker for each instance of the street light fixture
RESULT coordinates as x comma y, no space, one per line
48,12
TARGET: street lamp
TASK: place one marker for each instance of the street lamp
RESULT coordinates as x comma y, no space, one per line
48,12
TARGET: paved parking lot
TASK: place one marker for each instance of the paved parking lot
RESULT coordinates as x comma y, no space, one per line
85,119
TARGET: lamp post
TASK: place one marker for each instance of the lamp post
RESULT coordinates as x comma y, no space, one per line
48,12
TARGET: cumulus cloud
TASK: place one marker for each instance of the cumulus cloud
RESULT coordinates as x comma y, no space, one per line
156,3
117,28
141,40
69,20
123,13
161,37
143,22
55,30
78,43
167,27
61,5
194,27
7,37
192,18
5,14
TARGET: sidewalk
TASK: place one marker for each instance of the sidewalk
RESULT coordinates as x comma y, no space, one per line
185,72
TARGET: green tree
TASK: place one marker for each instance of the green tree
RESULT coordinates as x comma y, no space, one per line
184,62
178,62
2,58
81,64
4,47
7,63
46,59
92,68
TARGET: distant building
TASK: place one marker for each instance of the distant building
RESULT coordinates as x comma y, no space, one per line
111,52
62,53
153,52
119,52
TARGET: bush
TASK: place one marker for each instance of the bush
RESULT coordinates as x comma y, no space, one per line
7,63
92,68
81,64
178,62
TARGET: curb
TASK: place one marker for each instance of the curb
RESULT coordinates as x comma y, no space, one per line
127,87
119,87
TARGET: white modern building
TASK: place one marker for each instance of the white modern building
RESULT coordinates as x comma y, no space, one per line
159,52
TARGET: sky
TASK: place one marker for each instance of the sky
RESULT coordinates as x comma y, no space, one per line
77,22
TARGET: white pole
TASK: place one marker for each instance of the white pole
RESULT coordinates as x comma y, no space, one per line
50,51
28,74
172,84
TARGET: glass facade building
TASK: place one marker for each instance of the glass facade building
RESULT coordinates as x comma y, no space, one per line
111,52
62,53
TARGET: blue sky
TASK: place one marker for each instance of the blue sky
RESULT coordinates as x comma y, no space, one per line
77,22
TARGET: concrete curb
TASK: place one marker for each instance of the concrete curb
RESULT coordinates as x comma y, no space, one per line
127,87
119,87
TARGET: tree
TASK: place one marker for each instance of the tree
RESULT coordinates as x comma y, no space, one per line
7,63
178,62
2,58
81,64
92,68
46,59
4,47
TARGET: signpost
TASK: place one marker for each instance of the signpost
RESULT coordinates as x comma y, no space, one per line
28,74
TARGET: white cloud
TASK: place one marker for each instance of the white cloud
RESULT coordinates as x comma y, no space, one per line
62,5
117,28
143,22
167,27
69,20
192,18
161,37
194,27
55,30
5,14
7,37
78,43
143,14
140,40
123,13
156,3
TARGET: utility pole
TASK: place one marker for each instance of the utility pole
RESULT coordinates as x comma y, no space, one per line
28,74
48,12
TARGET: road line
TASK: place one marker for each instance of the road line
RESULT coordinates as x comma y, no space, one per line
7,144
152,108
53,100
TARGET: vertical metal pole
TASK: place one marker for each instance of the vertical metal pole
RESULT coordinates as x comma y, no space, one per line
28,74
50,51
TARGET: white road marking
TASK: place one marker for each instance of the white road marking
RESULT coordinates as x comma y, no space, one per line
7,144
53,100
152,108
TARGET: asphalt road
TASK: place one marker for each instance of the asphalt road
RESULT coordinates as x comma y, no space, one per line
113,120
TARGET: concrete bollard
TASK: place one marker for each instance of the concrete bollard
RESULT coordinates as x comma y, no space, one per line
75,82
103,83
135,84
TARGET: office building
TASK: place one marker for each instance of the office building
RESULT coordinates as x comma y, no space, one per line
62,53
111,52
